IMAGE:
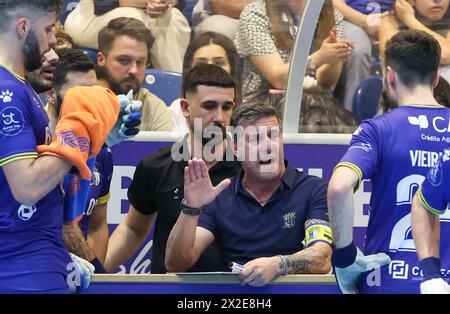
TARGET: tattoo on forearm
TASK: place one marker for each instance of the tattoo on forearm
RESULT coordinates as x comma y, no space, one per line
307,262
75,242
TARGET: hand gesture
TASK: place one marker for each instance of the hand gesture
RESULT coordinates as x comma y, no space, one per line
157,8
405,11
198,189
332,51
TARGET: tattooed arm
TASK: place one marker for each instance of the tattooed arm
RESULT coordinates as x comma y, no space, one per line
314,259
76,243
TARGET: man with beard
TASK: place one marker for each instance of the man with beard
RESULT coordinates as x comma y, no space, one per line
124,46
32,254
157,187
42,78
271,219
394,151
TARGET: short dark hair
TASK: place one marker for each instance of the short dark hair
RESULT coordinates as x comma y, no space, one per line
209,75
415,56
124,26
70,60
252,110
10,9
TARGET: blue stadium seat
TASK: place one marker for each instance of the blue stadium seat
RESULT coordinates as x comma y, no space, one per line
187,9
68,6
91,53
367,98
166,85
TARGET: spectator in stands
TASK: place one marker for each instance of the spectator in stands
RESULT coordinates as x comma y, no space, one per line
361,26
63,40
266,41
218,16
430,16
271,218
157,187
167,24
124,46
210,48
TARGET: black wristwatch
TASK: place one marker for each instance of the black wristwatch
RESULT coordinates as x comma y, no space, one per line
193,211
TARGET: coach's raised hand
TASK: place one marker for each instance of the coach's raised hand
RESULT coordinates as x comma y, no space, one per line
198,189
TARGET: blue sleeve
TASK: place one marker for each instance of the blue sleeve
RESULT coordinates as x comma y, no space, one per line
207,218
434,194
107,171
317,204
17,138
362,155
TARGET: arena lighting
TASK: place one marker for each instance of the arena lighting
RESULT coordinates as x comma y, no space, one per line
297,70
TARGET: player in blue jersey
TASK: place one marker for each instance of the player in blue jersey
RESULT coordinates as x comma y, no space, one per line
430,201
394,151
32,254
91,241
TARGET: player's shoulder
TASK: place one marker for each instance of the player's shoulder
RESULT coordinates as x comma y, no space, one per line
9,89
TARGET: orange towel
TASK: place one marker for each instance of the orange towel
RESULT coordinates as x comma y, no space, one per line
87,115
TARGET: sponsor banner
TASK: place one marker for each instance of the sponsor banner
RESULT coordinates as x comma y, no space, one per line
315,159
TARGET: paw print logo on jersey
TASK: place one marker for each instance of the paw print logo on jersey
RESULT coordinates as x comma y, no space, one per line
6,96
26,212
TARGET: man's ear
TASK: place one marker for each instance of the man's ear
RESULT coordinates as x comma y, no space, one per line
391,76
23,27
436,80
185,107
101,58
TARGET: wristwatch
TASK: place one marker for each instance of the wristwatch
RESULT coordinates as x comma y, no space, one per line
193,211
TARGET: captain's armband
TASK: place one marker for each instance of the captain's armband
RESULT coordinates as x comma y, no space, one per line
317,230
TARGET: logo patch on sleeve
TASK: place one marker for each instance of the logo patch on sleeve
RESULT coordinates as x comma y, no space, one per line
6,96
11,121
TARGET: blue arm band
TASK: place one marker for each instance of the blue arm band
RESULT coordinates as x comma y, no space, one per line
344,257
99,269
431,268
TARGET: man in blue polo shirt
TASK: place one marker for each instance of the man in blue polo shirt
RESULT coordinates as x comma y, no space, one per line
272,218
431,200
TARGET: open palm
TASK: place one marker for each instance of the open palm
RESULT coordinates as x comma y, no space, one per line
198,189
